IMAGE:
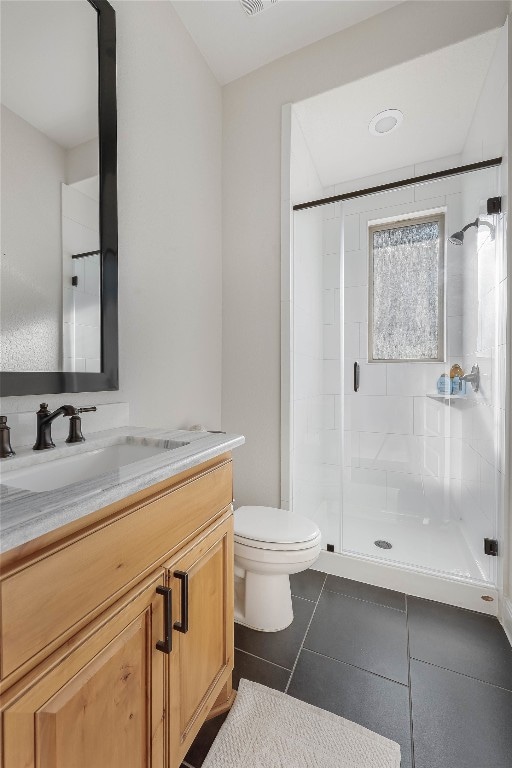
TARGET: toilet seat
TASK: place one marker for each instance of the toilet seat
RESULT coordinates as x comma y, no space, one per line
275,529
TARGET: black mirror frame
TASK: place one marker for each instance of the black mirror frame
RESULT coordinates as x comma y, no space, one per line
33,383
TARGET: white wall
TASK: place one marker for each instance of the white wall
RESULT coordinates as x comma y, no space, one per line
306,334
169,181
251,205
33,168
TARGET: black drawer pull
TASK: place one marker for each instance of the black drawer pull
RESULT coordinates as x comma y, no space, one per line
356,377
166,645
182,626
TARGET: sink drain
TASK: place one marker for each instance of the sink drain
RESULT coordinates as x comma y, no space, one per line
383,544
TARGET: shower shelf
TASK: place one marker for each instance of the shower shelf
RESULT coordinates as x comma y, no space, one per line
436,396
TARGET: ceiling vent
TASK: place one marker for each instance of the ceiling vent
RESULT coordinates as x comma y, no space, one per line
252,7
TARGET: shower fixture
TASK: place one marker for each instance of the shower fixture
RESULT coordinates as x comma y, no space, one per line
458,237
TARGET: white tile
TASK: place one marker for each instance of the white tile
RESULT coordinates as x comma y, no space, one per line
364,489
413,378
351,449
332,236
332,377
68,305
88,341
388,414
328,307
454,293
442,498
355,269
80,364
487,322
437,418
405,495
395,453
68,340
332,446
331,270
328,420
351,241
454,336
351,341
87,309
356,305
92,274
440,456
372,377
331,346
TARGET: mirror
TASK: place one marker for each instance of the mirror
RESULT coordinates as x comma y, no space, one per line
59,197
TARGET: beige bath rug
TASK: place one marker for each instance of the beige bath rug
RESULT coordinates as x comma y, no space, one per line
268,729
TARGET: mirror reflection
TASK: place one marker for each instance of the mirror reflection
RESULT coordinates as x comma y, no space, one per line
51,263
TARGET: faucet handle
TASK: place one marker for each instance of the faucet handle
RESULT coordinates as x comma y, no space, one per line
75,425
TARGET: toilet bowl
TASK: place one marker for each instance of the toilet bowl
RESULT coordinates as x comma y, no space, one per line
270,544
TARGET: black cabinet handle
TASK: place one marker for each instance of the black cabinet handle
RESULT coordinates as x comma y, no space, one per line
356,377
166,645
182,626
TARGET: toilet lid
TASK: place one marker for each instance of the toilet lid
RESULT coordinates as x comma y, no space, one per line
276,526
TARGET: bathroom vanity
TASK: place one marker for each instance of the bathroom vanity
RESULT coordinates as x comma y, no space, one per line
117,610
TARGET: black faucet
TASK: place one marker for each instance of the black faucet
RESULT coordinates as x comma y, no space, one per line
44,425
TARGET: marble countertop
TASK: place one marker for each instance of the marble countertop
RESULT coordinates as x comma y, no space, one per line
25,515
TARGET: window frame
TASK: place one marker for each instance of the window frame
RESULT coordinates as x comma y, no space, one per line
405,221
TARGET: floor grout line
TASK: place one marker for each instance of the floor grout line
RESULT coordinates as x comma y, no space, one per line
354,666
260,658
304,636
369,602
409,686
300,597
462,674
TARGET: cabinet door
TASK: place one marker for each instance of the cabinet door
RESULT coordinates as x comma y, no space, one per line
102,704
201,661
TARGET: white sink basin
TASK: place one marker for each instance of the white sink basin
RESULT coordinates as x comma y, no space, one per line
67,470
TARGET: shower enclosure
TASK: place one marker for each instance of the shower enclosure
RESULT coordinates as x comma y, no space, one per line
399,463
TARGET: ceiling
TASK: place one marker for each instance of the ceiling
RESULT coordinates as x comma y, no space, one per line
437,94
234,43
50,67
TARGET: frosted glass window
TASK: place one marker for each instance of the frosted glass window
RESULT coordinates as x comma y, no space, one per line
406,301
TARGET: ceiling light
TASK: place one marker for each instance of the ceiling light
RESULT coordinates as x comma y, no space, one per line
385,122
252,7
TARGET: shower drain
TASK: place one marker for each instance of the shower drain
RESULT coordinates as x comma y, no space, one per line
383,544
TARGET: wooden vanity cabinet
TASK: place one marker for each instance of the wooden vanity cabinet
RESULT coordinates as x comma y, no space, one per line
130,684
201,660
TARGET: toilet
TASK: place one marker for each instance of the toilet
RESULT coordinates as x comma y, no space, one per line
270,544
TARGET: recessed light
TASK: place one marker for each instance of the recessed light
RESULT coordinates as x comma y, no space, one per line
252,7
385,122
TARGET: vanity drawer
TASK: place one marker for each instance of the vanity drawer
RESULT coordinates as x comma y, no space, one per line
69,586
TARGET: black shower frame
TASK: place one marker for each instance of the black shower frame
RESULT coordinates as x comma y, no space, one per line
403,183
50,382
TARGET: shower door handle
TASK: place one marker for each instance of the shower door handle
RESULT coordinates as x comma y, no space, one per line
356,377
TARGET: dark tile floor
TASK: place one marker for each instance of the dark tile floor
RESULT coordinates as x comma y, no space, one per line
436,679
